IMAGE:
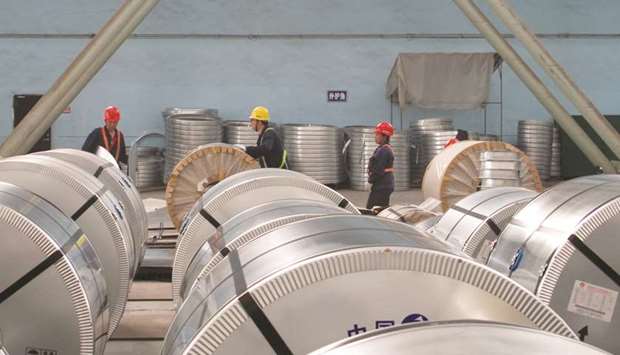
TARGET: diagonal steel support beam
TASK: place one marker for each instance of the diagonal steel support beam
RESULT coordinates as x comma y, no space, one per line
535,85
79,73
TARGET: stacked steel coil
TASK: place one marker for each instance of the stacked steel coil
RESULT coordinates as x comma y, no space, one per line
556,170
499,169
239,132
361,146
315,150
564,246
428,137
402,161
185,132
535,139
310,279
149,167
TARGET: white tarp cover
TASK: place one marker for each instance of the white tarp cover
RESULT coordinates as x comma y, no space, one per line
444,81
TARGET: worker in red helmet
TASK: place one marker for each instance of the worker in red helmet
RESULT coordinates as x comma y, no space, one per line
108,136
381,168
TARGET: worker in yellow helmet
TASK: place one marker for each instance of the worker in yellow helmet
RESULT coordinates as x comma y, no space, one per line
269,149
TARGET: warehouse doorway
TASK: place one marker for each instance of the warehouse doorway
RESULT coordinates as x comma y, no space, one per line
22,104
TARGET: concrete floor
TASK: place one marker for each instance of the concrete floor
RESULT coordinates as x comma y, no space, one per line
150,309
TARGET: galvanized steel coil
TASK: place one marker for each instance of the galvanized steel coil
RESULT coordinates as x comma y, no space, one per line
535,139
315,281
185,132
564,247
246,227
52,291
236,194
315,150
92,206
149,167
361,146
458,337
474,224
240,132
121,187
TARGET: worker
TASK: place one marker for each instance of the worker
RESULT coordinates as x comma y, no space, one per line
381,168
269,149
108,136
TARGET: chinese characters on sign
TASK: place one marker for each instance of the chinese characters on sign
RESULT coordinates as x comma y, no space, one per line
337,96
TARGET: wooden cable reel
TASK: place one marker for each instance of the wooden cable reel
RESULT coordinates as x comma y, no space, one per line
454,173
202,168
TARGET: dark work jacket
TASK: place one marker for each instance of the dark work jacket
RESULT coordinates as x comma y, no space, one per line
380,169
268,150
94,140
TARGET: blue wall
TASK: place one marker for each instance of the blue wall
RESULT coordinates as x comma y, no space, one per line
199,54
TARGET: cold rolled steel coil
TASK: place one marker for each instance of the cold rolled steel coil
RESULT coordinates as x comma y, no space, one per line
402,161
185,132
236,194
149,167
120,186
474,224
246,227
315,150
458,337
319,280
535,139
564,247
92,206
239,132
52,291
169,111
411,214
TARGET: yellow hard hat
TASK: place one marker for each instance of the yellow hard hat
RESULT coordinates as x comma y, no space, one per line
260,113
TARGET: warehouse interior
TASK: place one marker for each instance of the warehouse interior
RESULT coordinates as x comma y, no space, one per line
325,177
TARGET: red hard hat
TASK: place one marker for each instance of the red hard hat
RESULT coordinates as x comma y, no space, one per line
112,114
385,128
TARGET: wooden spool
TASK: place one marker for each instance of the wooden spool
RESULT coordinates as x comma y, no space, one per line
454,173
202,168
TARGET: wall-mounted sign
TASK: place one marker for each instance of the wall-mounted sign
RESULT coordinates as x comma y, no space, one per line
337,96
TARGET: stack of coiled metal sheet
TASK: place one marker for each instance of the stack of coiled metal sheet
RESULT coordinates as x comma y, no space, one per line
402,161
428,136
149,167
535,139
499,169
361,146
185,132
315,150
239,132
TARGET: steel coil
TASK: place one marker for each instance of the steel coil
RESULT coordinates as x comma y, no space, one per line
120,186
458,337
239,132
186,131
322,141
53,293
237,194
315,281
92,206
535,139
428,137
474,223
563,246
247,227
499,168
